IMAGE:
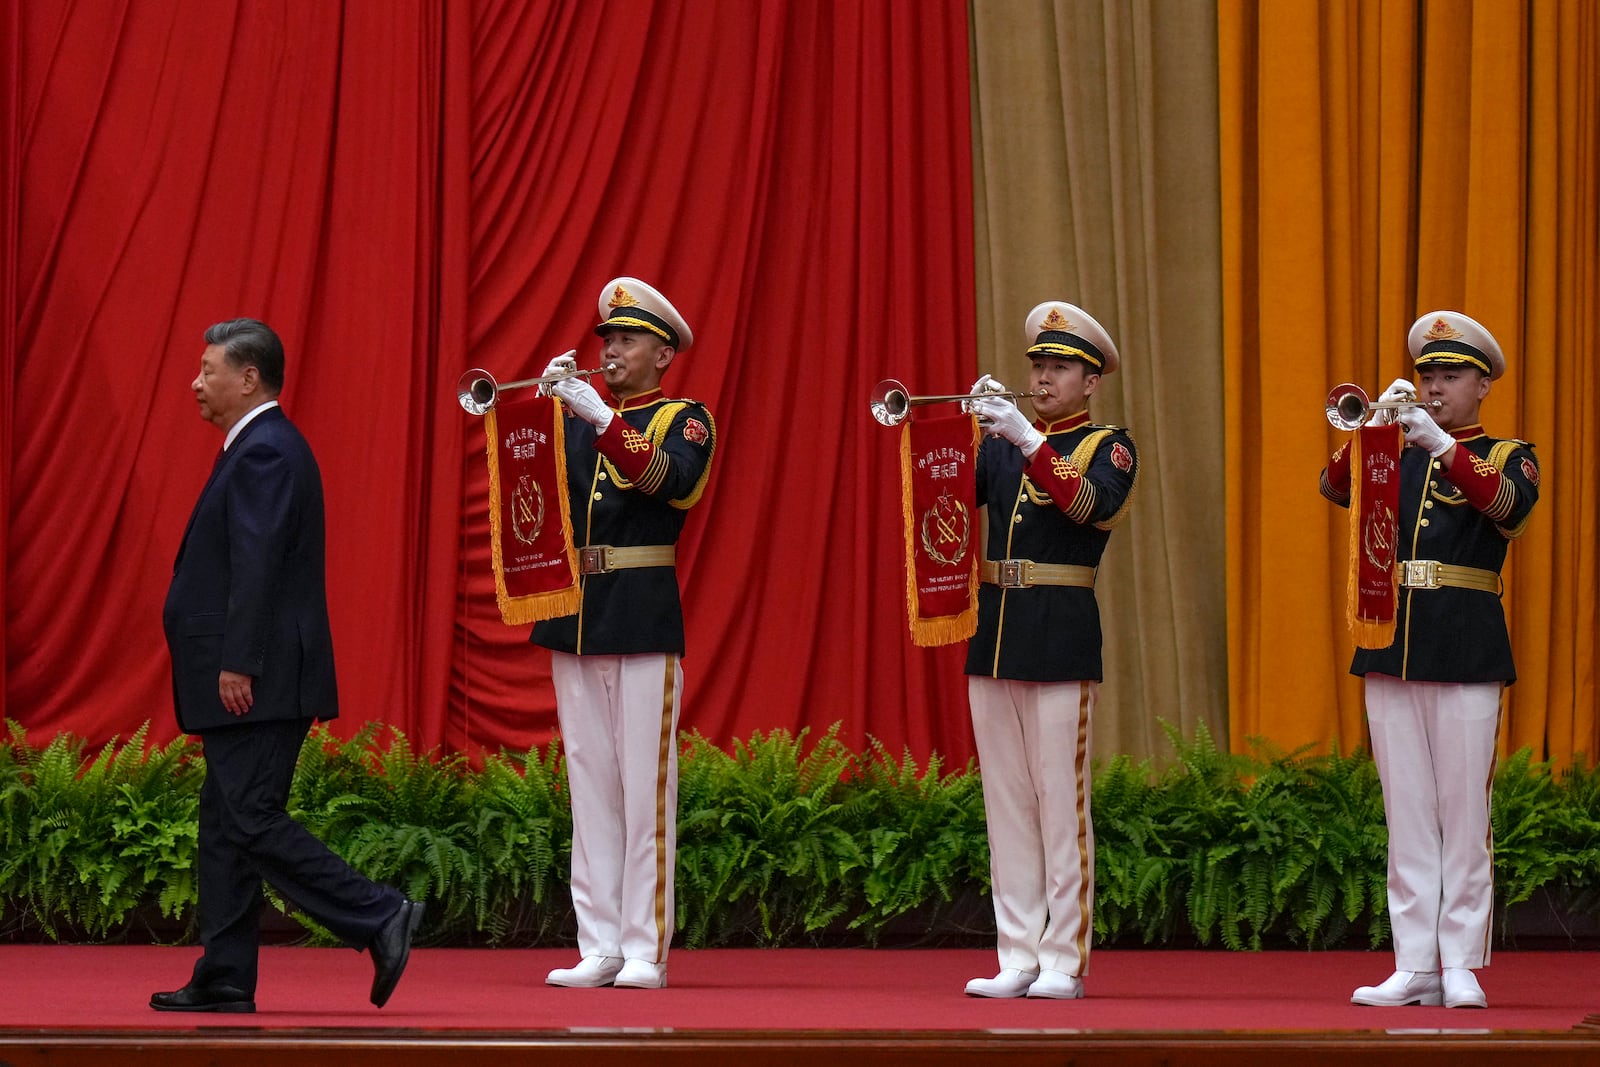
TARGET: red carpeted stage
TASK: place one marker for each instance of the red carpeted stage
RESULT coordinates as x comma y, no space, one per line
67,1005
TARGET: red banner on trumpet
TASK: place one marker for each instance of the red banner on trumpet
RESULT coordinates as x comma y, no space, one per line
937,488
1374,529
530,529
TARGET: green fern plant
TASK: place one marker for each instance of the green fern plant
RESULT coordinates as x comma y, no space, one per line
522,826
404,821
1140,879
781,840
1546,828
922,832
89,842
762,853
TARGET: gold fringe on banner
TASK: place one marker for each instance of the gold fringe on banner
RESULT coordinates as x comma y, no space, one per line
939,629
517,611
1368,633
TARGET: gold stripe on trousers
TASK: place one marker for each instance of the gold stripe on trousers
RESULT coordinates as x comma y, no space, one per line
1085,834
663,758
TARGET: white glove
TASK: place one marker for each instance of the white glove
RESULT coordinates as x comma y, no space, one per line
1005,420
565,363
983,385
1422,431
585,403
1399,389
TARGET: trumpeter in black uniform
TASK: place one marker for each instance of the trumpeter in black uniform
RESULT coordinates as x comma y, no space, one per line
1054,489
1433,696
634,468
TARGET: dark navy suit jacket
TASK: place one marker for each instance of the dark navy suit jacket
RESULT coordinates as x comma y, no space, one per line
248,590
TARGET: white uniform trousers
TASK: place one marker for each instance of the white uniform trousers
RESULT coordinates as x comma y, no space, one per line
1434,744
619,732
1033,751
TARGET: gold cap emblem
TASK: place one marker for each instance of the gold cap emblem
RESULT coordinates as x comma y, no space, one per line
621,298
1442,331
1057,321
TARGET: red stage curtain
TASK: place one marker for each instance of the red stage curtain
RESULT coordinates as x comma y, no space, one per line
406,190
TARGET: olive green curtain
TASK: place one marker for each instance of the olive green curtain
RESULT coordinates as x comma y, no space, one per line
1096,181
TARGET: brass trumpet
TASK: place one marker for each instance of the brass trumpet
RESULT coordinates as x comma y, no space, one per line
477,391
1348,406
891,402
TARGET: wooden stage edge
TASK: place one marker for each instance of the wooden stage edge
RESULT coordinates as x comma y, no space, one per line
249,1047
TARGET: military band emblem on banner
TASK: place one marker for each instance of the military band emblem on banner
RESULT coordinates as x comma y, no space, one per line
530,530
1374,528
1375,448
938,480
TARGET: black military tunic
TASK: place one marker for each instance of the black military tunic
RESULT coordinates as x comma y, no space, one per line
1466,519
638,609
1049,633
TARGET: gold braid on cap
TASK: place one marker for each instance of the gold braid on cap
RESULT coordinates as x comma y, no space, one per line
1068,351
630,322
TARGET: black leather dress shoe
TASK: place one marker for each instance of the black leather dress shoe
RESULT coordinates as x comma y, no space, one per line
391,950
224,998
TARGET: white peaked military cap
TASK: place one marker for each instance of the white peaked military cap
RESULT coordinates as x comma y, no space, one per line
629,304
1062,329
1451,337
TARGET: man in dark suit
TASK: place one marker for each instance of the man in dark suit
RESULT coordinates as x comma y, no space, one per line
246,621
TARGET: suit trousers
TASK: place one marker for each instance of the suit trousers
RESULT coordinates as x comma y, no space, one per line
619,731
246,835
1434,744
1033,751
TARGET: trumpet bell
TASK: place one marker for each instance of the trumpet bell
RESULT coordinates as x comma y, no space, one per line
1348,406
890,402
476,391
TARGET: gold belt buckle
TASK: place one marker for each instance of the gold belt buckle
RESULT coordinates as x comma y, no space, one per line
1422,574
592,559
1012,574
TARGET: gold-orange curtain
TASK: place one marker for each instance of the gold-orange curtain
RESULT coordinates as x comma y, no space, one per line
1381,159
